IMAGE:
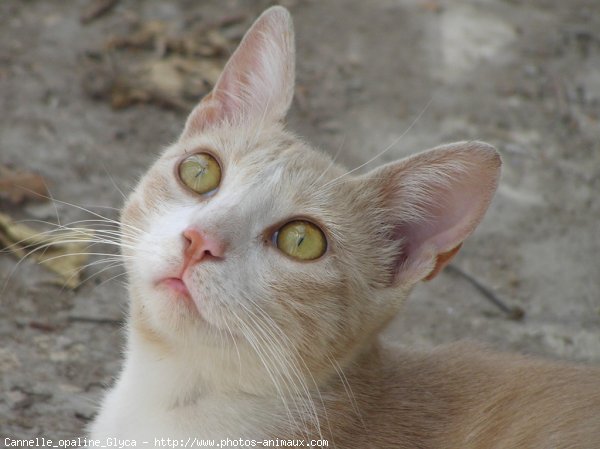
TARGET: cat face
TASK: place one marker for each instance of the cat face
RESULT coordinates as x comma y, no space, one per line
268,180
242,235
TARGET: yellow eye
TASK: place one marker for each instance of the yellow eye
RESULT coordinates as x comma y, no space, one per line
200,172
302,240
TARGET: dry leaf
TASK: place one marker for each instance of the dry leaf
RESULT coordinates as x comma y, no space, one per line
17,186
433,6
145,37
178,77
95,9
172,71
63,252
173,82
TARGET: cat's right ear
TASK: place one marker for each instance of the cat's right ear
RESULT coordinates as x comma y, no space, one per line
257,83
426,205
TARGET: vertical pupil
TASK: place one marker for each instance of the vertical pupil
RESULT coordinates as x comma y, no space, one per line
201,170
301,240
301,234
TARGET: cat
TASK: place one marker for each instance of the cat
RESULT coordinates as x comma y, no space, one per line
261,274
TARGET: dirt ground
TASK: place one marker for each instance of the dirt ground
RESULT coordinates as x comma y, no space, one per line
524,76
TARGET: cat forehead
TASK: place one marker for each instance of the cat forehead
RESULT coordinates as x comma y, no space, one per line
266,157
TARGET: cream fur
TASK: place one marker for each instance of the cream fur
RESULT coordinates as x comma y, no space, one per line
273,347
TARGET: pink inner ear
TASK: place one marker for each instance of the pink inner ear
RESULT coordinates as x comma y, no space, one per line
258,81
447,222
439,199
452,216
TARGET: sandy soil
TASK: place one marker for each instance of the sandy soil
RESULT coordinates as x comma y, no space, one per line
524,76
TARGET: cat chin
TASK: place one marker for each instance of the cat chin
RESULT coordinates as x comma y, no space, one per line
181,319
170,310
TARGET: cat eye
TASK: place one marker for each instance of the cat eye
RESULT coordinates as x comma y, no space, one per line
200,172
301,239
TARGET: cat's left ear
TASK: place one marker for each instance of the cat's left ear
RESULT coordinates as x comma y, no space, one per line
257,83
428,204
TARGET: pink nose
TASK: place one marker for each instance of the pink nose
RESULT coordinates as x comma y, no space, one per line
199,245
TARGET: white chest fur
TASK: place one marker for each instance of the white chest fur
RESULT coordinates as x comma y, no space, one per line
129,413
158,397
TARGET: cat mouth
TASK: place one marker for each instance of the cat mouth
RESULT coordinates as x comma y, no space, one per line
176,285
180,295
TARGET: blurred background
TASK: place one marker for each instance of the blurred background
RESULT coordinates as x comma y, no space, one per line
92,90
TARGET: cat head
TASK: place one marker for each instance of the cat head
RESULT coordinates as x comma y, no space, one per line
242,235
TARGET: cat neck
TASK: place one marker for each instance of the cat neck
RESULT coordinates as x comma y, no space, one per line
177,374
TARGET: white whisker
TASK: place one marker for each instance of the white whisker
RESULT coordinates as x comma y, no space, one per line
331,164
113,181
386,149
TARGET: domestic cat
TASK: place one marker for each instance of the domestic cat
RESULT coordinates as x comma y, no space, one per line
261,274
